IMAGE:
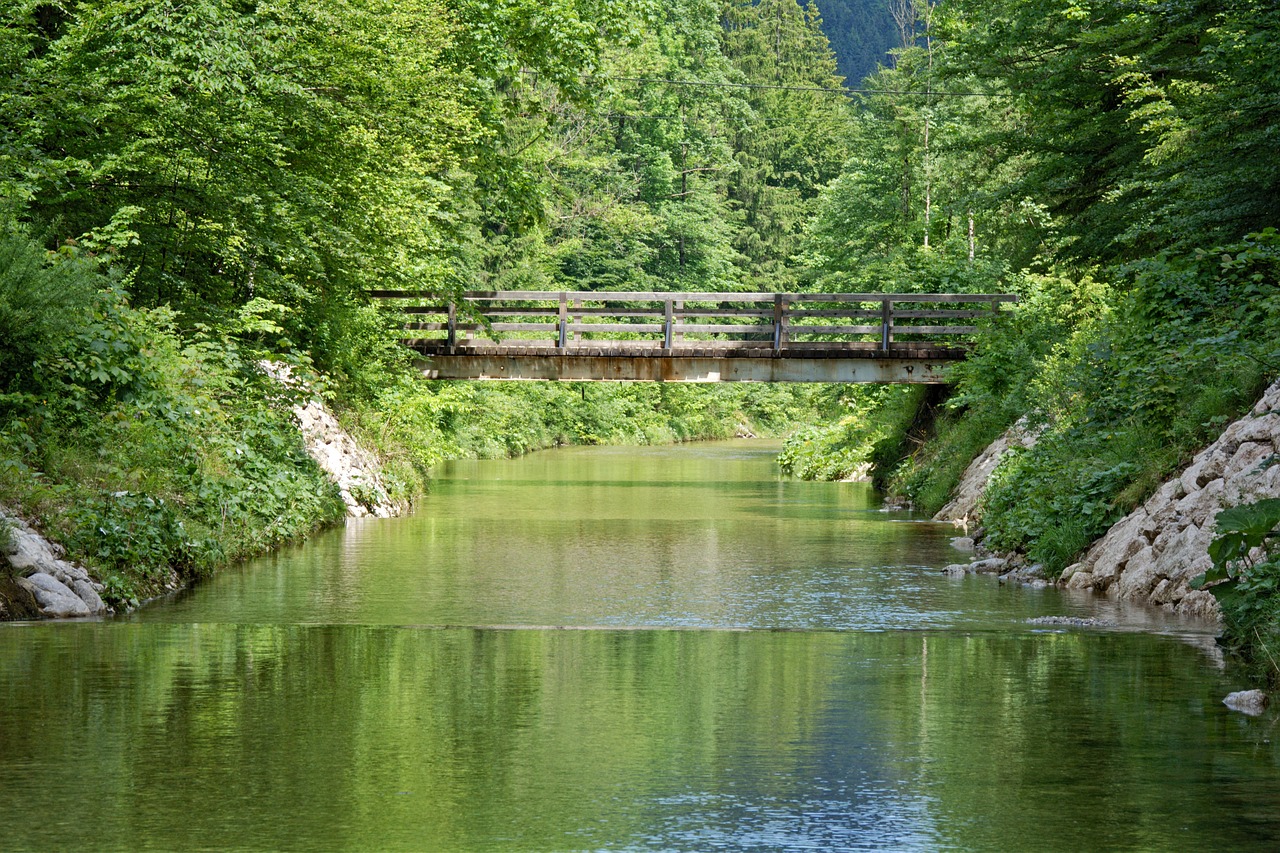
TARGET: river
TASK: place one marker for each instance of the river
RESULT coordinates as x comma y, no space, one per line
627,649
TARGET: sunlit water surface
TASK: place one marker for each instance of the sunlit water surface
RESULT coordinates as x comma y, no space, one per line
627,649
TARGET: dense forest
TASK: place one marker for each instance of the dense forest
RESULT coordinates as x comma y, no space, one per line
862,33
190,188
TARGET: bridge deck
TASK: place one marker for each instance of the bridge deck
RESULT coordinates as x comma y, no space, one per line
804,362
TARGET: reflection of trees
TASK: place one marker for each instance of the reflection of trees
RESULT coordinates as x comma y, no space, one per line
1075,740
356,737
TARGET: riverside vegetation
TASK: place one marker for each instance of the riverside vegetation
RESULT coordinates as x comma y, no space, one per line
1119,173
193,188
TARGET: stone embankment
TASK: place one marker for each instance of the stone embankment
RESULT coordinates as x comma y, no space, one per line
963,506
41,583
353,468
1154,552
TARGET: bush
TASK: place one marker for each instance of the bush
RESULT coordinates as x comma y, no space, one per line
41,306
1245,579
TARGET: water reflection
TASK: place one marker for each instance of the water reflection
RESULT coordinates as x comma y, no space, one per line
345,737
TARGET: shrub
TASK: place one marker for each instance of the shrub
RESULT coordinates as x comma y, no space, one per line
41,306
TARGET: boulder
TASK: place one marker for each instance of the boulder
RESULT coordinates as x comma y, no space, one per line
1248,459
1080,580
52,597
1252,702
1140,576
1200,604
86,592
29,552
1203,504
1183,549
990,566
1114,551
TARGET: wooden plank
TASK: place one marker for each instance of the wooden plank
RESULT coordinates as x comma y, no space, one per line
718,329
522,327
686,296
934,330
956,314
834,330
837,313
636,328
727,312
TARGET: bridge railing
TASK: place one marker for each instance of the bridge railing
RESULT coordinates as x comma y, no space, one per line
567,319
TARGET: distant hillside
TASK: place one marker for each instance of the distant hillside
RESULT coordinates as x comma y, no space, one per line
861,33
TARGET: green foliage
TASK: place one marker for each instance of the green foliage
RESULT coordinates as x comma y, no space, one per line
419,424
875,424
147,452
1245,579
927,476
41,305
139,535
1131,395
1241,529
861,34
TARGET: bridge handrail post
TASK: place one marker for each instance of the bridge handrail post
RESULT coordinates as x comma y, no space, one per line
886,324
562,325
779,321
451,335
677,337
668,318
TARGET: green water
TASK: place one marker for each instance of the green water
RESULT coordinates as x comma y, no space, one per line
604,649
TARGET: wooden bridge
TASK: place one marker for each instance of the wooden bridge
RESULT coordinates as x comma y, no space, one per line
693,337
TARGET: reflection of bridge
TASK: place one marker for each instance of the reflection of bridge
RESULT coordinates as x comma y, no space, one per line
694,337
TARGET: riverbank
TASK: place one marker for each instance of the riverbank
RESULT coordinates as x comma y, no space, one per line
1160,552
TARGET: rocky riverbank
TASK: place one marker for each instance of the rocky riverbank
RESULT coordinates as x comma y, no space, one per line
1154,552
38,583
1151,555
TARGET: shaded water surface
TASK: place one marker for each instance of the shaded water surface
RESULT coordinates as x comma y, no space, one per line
603,649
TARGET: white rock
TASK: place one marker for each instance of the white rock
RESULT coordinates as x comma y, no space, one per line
1248,459
1140,575
1199,603
53,599
990,566
1183,550
85,591
1080,580
963,505
1113,552
29,552
1252,702
1201,505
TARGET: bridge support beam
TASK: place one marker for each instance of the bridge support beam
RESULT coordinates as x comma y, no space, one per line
877,368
